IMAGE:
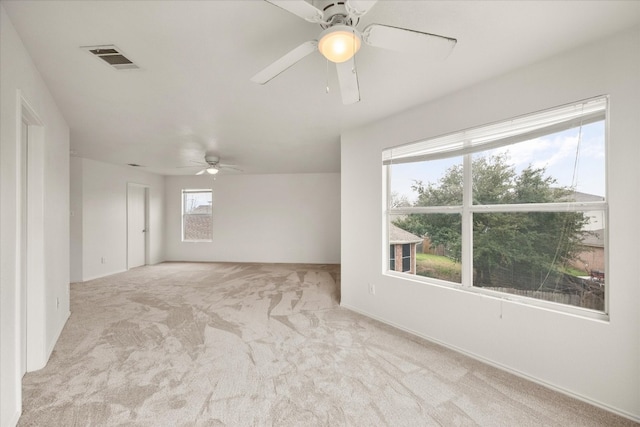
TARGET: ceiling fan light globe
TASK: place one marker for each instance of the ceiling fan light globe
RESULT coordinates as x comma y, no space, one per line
212,171
339,43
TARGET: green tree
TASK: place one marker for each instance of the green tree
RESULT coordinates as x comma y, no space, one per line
398,200
533,244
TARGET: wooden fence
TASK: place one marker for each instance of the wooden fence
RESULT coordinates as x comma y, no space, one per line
587,299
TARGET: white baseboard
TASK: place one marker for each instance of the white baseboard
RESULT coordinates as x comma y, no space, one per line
564,391
49,350
14,419
58,332
100,276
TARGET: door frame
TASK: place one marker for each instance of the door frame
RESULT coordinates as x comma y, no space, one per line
36,352
23,272
146,220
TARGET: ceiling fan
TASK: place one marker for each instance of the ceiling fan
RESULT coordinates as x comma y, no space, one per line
212,166
340,40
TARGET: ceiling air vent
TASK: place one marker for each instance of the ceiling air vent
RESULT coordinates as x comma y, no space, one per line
112,56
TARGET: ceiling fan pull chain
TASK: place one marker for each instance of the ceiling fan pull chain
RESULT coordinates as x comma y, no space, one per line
327,74
353,69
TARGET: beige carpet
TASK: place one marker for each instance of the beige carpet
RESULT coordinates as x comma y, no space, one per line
198,344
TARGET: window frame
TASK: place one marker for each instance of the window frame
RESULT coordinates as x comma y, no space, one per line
183,194
467,209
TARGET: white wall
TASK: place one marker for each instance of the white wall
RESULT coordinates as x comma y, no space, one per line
261,218
18,73
104,216
75,195
595,360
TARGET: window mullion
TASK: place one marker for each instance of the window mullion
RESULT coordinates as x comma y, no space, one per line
467,223
386,218
541,207
426,209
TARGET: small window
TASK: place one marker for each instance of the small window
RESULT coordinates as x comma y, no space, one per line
197,216
392,257
406,257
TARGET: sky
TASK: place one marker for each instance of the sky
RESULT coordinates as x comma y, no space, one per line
557,153
198,199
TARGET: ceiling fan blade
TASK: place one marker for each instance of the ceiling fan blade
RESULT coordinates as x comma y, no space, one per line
228,166
285,62
194,165
201,172
359,7
348,78
300,8
404,40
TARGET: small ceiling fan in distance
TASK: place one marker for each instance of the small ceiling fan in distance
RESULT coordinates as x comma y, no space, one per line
340,40
212,165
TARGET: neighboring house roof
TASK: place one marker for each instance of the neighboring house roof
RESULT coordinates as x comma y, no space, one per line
577,196
398,236
201,209
594,238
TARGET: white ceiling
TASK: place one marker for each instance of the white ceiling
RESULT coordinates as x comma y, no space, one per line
193,95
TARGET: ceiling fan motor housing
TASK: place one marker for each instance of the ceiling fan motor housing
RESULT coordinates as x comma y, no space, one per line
335,13
212,160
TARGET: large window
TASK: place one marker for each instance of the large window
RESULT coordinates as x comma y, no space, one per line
514,208
197,216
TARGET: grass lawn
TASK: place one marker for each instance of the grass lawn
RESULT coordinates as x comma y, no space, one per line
573,271
439,267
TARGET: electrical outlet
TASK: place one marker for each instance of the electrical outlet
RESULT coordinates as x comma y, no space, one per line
57,303
103,260
372,288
